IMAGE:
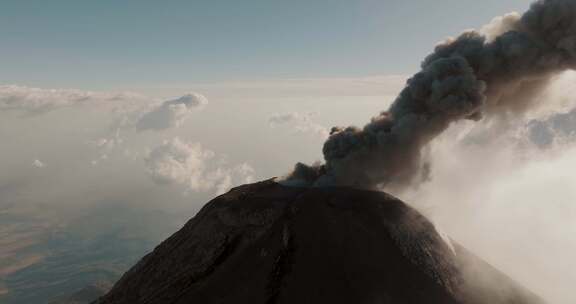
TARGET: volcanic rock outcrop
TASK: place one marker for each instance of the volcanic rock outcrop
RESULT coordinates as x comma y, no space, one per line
268,243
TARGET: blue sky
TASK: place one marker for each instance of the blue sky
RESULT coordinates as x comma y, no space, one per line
121,44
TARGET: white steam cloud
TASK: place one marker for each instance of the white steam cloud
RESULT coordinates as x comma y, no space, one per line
509,201
554,130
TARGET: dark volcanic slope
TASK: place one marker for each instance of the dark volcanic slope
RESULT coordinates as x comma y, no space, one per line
267,243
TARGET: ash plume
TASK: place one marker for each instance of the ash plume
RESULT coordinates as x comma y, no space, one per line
491,74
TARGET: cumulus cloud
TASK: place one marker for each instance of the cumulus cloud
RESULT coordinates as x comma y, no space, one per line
171,113
193,166
106,145
142,116
299,122
134,110
38,164
36,100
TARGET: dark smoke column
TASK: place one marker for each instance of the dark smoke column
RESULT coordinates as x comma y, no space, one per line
465,78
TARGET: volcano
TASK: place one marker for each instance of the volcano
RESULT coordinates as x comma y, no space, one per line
269,243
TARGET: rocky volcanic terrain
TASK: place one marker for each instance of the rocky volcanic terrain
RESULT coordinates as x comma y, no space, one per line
267,243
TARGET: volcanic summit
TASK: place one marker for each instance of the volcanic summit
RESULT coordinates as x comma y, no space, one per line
269,243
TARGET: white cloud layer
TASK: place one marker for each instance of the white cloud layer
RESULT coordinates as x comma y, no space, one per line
375,85
299,122
492,191
36,100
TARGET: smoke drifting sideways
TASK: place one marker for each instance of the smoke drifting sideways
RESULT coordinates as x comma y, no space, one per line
490,75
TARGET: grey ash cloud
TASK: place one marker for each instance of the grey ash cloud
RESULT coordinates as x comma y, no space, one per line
492,74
